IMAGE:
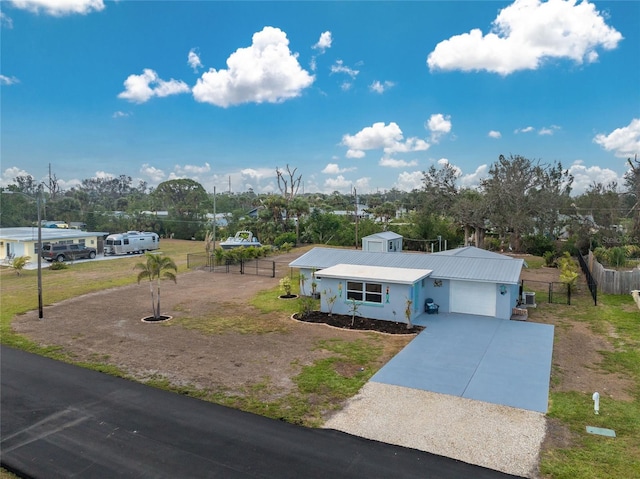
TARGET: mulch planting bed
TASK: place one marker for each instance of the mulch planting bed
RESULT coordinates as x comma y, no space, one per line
344,321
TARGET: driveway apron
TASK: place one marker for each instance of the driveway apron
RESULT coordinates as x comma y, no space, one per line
477,357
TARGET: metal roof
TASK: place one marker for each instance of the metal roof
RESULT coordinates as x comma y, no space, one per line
494,269
30,233
386,235
374,273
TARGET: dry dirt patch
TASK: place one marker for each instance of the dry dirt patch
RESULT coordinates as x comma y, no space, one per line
106,327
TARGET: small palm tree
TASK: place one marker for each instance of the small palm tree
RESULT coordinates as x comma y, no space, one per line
19,263
156,268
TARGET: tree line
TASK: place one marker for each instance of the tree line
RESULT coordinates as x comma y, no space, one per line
521,205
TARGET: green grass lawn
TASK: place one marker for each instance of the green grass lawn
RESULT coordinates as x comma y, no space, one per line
593,456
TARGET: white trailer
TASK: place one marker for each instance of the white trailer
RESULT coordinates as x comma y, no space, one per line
131,242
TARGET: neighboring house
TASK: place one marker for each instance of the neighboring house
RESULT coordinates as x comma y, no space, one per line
363,212
16,242
464,280
387,242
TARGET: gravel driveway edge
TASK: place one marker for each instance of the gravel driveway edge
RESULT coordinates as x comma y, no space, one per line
490,435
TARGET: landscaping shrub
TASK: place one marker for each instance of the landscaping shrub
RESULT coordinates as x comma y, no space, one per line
284,238
568,270
56,266
549,258
538,245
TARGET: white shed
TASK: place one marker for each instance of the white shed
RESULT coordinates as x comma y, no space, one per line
384,242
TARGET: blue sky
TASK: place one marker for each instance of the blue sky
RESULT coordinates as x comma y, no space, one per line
353,94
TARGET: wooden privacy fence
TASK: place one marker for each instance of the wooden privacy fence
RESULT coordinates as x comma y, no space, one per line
613,281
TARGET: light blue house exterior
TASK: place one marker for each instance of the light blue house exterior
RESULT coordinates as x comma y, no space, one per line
380,292
464,280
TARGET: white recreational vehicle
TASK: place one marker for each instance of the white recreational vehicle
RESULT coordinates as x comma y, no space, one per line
131,242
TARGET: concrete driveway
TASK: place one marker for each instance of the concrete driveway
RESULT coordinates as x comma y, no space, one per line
477,357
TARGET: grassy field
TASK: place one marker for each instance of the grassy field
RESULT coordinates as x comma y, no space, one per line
588,456
593,456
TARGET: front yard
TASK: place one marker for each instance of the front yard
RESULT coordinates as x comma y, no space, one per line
232,341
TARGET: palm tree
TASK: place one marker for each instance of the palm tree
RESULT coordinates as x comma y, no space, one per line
156,268
19,263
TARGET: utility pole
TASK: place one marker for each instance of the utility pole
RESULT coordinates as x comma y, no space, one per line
38,202
355,195
214,217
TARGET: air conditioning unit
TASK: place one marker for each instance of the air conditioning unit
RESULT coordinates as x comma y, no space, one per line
529,298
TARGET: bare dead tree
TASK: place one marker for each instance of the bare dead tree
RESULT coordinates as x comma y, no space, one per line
289,184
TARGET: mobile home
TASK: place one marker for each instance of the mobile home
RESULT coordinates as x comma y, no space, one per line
131,242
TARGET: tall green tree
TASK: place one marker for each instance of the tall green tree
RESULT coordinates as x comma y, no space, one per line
439,188
519,193
156,268
469,211
187,203
632,182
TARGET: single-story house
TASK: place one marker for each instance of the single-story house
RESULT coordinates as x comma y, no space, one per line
23,241
386,241
464,280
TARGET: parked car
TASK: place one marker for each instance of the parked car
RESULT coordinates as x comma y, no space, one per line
63,252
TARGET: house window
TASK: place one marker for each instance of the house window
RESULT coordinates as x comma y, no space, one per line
367,292
126,241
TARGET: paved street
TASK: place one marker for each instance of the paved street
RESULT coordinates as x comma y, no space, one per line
60,421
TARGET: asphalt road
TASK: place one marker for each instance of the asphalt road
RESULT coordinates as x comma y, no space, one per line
62,421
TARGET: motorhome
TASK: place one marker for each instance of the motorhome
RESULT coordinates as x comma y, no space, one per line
131,242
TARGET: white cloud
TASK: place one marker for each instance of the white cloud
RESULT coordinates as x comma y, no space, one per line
324,42
59,8
584,176
7,81
192,169
526,129
439,125
392,163
363,185
444,162
409,181
548,131
343,185
339,183
120,114
624,141
472,180
104,175
193,59
344,86
266,71
257,174
10,173
334,169
156,175
380,136
6,21
494,134
140,88
379,87
340,67
526,33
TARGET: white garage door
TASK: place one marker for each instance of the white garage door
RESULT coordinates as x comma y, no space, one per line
473,298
